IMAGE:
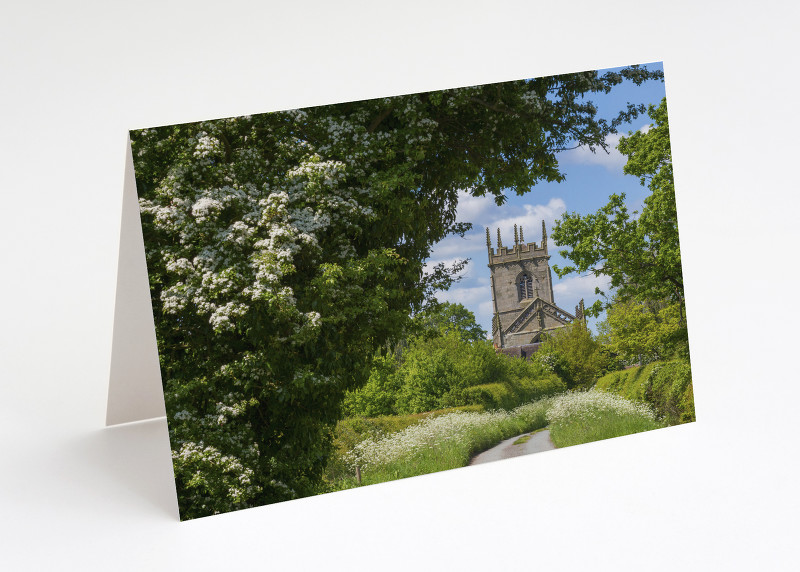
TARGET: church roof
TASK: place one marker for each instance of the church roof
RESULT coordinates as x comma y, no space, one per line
532,311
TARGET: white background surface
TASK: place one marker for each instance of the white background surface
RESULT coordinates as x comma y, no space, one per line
720,494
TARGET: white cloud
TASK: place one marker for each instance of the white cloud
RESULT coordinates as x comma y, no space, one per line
474,209
469,297
473,244
484,316
483,212
456,246
530,219
467,272
614,161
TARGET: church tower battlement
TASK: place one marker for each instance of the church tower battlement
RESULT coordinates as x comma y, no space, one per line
522,294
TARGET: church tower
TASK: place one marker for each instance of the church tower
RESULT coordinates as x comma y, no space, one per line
522,294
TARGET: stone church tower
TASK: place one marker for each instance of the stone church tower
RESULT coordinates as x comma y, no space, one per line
522,295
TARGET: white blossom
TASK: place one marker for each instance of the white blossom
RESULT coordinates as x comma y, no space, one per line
206,145
206,207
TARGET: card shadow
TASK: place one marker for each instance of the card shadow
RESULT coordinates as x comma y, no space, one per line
134,459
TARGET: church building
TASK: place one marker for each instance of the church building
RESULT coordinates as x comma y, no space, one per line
522,295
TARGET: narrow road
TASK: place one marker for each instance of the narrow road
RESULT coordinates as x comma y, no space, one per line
506,449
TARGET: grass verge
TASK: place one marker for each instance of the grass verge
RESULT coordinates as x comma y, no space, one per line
583,417
437,443
394,447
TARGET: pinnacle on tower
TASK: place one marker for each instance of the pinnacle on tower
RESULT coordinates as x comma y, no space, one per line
521,239
516,237
544,234
499,240
488,238
580,311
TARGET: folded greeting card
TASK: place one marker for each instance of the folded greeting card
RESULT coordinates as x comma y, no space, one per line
364,291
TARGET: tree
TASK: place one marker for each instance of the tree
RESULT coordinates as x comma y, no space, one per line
640,255
448,317
642,332
284,249
573,354
378,396
433,367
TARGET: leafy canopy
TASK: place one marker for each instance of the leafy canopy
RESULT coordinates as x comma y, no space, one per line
573,353
640,254
443,371
643,332
447,317
283,249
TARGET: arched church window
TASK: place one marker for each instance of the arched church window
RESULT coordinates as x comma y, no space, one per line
525,286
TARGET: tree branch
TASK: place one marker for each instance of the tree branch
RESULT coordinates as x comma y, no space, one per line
379,119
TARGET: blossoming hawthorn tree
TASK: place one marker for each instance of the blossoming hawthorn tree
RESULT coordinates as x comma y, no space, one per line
284,248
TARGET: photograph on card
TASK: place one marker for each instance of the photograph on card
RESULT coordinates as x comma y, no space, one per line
359,292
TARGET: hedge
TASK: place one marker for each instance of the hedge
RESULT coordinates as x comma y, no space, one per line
667,386
508,395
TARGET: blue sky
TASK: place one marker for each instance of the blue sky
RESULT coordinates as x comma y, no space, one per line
590,179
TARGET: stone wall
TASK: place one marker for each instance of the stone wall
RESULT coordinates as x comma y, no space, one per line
524,351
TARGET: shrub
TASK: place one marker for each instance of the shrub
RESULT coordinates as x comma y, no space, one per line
669,389
629,383
378,395
490,395
667,386
513,392
574,355
643,332
443,371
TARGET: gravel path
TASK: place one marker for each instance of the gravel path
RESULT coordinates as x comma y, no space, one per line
506,449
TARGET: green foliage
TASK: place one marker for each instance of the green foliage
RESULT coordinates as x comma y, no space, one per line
445,371
442,318
640,255
433,375
573,355
378,395
641,332
513,392
430,373
667,386
628,383
669,389
491,395
284,249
